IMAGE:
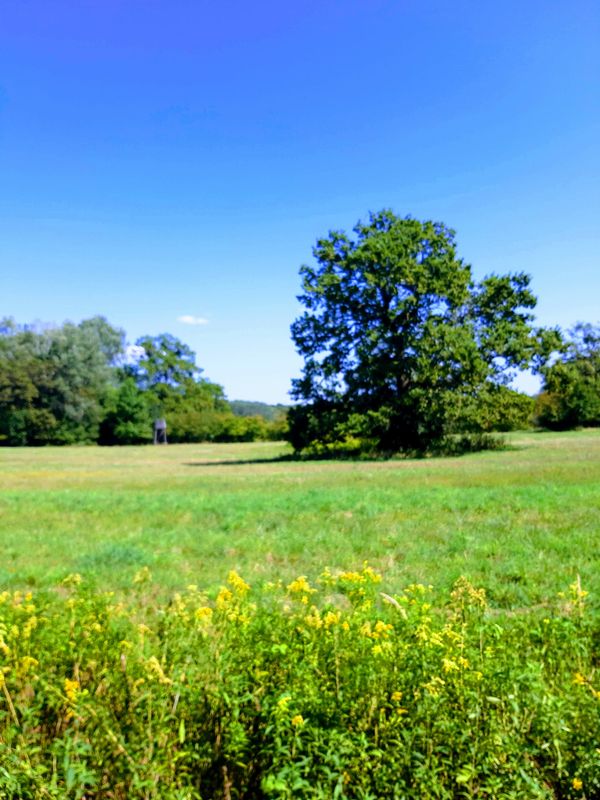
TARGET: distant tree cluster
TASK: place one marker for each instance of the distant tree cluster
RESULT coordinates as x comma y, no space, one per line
571,392
73,384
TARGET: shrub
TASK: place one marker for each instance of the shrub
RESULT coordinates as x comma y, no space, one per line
330,689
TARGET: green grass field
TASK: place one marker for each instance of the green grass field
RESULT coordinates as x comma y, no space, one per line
522,522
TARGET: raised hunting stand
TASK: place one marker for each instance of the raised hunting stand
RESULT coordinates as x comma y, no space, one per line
160,431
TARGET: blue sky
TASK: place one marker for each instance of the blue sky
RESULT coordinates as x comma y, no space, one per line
167,159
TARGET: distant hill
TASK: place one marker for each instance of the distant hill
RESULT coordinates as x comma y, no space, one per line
254,408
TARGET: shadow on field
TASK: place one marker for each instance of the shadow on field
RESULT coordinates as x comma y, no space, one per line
240,461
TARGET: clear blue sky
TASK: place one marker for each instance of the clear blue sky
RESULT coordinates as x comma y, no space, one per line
169,158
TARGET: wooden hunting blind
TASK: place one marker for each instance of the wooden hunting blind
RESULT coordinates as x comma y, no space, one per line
160,431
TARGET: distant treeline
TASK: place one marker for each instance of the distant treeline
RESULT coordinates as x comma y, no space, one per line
77,384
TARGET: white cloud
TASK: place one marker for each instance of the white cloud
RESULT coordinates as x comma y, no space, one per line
188,319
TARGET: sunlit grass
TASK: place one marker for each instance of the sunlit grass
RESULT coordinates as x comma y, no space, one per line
520,522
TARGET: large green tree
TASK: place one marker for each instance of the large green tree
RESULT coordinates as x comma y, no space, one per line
53,380
397,336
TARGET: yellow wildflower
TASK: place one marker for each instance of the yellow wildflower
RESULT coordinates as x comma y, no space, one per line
579,679
577,783
434,685
223,598
203,614
72,688
300,585
448,665
237,583
143,575
313,618
382,629
156,669
29,626
396,696
74,579
351,577
27,662
298,721
331,618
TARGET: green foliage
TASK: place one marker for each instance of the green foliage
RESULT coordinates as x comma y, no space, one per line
330,689
127,418
53,382
397,332
494,408
69,385
571,391
252,408
194,410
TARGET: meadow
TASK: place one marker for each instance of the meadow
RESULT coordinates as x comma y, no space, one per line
522,522
218,622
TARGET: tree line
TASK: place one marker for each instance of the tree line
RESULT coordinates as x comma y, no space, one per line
404,351
74,384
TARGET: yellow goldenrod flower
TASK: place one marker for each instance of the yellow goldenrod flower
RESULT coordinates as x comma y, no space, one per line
351,577
203,614
237,583
382,629
27,662
579,679
300,585
223,598
396,696
298,721
331,618
29,626
313,618
434,685
577,783
155,668
143,575
71,689
448,665
74,579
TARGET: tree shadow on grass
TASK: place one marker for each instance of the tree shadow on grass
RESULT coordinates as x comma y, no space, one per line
241,461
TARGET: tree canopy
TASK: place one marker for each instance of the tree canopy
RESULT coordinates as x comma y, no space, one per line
397,336
52,381
571,390
66,384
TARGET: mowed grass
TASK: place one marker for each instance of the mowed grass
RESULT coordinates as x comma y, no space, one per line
522,522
